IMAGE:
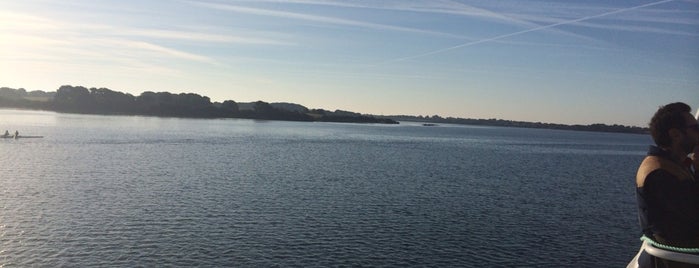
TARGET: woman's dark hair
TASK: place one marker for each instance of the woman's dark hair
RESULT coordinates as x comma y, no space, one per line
668,117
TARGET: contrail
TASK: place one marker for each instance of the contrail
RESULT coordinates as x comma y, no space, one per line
529,30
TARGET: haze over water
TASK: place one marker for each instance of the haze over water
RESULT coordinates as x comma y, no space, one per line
143,191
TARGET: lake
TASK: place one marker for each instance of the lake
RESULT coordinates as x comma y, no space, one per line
130,191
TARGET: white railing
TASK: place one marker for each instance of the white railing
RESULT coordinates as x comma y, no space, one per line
663,254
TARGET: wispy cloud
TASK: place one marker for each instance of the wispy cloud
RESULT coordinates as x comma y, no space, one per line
221,36
502,16
665,16
655,21
44,37
320,19
656,17
145,46
232,38
439,7
566,22
633,28
539,14
11,21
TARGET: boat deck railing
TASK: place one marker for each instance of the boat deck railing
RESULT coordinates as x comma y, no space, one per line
689,256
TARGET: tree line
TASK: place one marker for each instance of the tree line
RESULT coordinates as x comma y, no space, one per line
78,99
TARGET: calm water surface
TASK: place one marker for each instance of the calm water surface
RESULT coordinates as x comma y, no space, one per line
143,191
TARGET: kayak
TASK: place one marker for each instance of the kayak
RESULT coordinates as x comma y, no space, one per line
21,137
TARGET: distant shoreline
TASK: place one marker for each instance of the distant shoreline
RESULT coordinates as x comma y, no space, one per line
103,101
519,124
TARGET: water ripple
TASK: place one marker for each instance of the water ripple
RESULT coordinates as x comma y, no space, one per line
337,196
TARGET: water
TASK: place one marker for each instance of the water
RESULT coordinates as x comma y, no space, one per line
142,191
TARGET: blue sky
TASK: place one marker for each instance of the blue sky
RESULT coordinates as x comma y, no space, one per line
571,62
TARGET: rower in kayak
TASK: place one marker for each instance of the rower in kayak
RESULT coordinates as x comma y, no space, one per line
7,135
17,136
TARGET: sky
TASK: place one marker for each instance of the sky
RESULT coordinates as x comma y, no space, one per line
569,62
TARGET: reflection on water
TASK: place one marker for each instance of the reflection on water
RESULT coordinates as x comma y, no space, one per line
143,191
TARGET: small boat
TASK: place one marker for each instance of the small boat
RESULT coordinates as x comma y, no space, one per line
20,137
429,125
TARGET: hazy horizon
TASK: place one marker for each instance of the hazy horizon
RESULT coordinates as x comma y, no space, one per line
580,62
328,109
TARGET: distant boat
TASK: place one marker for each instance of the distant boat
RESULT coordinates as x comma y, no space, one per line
429,125
20,137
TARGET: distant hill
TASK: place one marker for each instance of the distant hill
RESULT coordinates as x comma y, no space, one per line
292,107
105,101
78,99
20,98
